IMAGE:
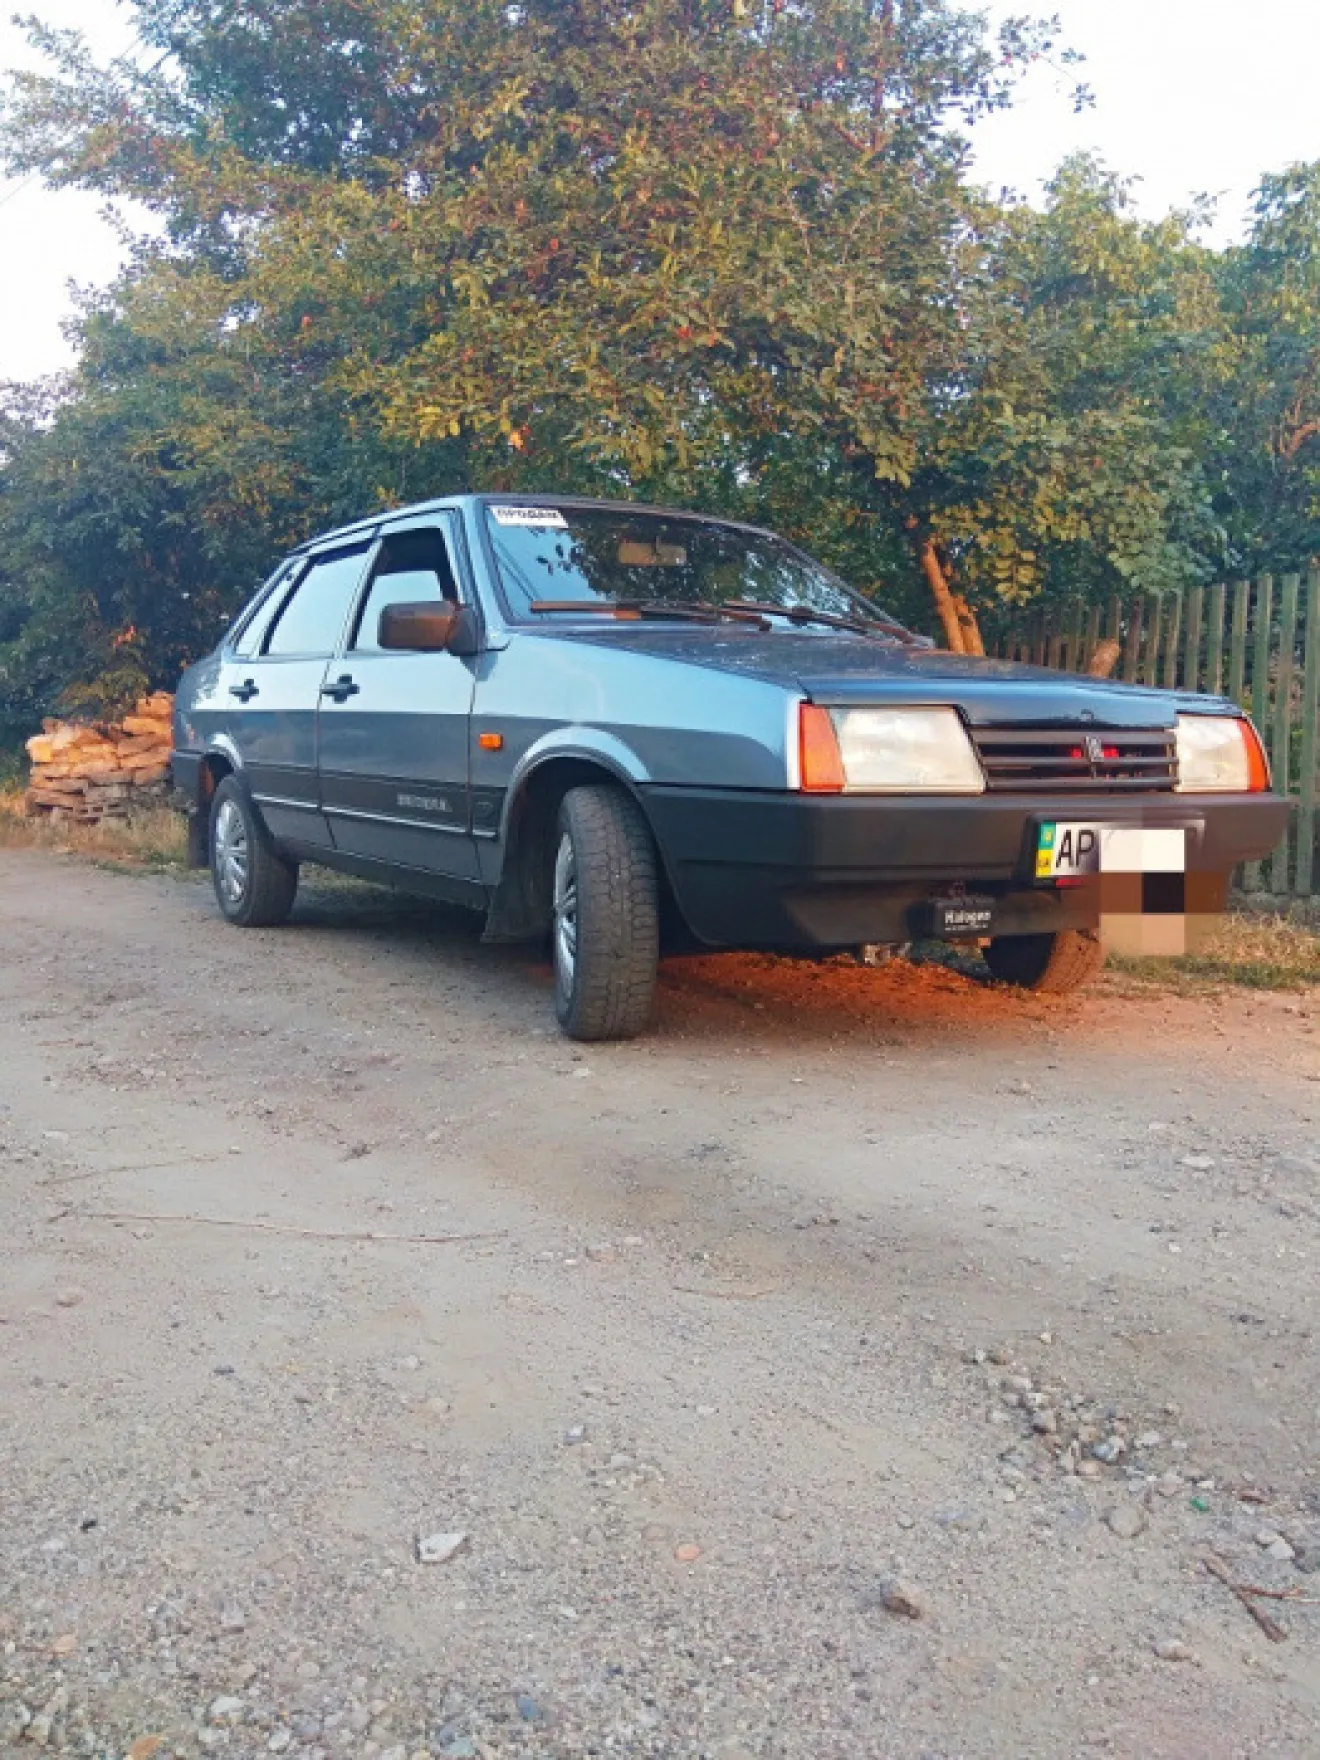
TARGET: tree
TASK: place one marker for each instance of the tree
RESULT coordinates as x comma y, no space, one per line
1263,448
719,252
1067,453
681,247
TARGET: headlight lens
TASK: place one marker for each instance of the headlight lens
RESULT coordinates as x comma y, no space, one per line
1220,754
906,751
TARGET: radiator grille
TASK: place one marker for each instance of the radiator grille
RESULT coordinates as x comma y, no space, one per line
1101,760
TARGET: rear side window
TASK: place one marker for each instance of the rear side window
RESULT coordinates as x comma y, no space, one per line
312,619
412,566
255,620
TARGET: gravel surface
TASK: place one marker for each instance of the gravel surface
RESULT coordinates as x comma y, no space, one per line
864,1364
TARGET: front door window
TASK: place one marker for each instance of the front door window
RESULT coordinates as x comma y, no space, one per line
412,567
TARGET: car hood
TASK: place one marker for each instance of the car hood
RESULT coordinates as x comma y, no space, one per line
836,667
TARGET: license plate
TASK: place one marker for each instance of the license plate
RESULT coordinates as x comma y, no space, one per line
1068,849
952,918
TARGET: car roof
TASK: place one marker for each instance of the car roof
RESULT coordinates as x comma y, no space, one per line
361,527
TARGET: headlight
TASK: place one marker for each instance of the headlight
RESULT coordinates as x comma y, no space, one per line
1220,754
886,751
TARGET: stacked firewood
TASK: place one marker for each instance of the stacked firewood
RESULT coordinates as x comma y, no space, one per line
86,771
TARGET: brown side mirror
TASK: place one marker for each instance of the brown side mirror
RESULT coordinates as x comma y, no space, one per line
430,626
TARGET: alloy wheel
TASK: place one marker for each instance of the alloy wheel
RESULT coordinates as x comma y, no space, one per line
231,852
566,913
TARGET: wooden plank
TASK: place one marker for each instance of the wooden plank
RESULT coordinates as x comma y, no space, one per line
1192,641
1054,650
1308,780
1260,689
1150,670
1114,629
1132,646
1214,641
1237,661
1260,656
1281,739
1076,614
1091,640
1171,642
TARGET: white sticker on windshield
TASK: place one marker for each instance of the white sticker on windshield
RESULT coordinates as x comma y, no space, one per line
529,516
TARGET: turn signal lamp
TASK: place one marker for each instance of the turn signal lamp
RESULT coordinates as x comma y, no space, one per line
820,760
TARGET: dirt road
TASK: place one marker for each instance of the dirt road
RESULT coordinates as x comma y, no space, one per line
842,1275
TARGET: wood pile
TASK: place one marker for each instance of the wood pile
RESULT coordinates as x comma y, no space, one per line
88,771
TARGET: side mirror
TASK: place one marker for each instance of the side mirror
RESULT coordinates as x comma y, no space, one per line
431,626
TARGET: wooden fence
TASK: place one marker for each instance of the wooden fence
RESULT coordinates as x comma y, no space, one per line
1256,642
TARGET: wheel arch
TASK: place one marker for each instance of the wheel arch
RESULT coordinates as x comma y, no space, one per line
215,764
520,908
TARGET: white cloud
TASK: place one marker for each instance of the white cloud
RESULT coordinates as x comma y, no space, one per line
49,239
1192,97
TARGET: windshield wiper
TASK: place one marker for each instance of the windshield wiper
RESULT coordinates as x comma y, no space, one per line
678,610
806,614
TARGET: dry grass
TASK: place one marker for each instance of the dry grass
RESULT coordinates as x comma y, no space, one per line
153,839
1264,952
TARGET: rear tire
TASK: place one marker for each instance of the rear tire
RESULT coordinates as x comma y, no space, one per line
606,927
254,887
1052,965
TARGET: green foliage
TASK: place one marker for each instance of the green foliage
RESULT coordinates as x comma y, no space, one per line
1068,457
1263,443
717,252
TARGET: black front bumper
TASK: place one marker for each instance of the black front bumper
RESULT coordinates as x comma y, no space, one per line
797,871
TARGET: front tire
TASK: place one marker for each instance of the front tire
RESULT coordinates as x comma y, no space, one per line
1051,965
606,927
254,887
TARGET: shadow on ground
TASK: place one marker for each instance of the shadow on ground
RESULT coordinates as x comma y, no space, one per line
762,998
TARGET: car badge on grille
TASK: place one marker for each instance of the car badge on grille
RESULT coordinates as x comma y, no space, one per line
1095,749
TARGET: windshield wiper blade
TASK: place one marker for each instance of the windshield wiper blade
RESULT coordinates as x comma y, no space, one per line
802,614
878,625
717,609
678,610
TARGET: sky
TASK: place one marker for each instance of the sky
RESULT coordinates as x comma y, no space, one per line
1192,97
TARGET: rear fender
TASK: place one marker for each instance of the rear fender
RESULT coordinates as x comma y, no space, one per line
194,795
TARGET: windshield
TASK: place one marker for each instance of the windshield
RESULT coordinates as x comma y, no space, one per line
553,558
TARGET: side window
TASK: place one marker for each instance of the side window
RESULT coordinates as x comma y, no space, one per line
256,619
312,619
412,566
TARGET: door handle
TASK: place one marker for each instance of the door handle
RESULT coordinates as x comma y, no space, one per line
244,691
341,689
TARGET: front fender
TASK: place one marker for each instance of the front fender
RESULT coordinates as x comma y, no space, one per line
589,745
520,907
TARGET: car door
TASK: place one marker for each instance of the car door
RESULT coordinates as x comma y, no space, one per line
276,694
394,726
